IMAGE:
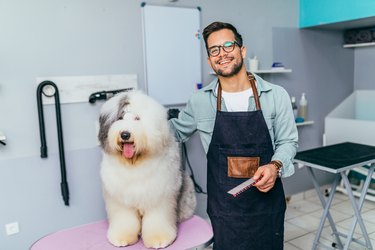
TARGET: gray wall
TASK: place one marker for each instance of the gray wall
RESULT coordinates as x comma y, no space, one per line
324,70
63,38
364,74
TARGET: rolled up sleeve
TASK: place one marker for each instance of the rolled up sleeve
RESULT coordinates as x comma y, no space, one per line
185,125
285,132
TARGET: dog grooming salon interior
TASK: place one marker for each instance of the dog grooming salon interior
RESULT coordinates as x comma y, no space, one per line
61,60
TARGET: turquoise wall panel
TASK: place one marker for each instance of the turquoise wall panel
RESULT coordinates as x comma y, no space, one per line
320,12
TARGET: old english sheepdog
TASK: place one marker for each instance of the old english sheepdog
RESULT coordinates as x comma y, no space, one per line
146,192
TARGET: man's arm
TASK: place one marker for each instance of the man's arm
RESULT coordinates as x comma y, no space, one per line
286,142
286,134
185,125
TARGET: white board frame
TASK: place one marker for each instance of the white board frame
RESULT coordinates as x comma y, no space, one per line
172,52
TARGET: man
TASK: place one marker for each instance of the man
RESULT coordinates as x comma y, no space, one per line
247,129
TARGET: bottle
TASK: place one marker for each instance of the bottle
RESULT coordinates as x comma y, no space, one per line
302,111
253,64
294,107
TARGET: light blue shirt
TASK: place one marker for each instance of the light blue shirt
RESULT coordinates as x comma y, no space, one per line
200,113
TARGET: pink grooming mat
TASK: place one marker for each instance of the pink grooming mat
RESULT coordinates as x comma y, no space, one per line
195,232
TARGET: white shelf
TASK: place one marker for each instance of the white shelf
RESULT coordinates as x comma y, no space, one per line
304,123
2,136
272,71
266,71
358,45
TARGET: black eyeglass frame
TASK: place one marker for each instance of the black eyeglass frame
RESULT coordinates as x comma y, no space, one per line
225,48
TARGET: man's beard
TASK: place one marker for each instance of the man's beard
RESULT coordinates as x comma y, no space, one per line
236,68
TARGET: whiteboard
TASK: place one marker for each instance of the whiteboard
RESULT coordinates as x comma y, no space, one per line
171,39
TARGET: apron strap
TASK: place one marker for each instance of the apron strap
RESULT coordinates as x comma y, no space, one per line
253,87
255,91
218,103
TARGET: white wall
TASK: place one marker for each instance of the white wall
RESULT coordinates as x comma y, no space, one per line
82,37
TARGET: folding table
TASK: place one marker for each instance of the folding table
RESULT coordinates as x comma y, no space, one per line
337,159
194,233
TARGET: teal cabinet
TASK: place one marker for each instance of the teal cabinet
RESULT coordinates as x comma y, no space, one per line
323,12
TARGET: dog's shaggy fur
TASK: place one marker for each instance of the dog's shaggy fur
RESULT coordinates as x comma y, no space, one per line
145,191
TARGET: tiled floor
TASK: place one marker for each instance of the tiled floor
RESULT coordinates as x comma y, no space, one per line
303,216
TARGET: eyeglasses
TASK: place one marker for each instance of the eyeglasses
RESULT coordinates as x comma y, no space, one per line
227,47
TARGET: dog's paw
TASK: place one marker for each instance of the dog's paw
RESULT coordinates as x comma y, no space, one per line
158,240
122,239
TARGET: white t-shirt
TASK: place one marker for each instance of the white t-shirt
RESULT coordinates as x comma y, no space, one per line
237,101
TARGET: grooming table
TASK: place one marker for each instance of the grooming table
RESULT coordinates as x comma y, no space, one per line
337,159
195,233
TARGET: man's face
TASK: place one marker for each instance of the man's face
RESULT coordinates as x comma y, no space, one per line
225,63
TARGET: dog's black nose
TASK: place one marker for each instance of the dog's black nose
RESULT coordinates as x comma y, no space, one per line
125,135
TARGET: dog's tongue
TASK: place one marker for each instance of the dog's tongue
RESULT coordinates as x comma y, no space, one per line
128,150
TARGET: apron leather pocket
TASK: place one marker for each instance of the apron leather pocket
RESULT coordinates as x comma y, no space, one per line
242,167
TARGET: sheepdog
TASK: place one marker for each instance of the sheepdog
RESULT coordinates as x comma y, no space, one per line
145,190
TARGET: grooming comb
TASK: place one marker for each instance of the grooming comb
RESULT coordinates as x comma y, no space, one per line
243,187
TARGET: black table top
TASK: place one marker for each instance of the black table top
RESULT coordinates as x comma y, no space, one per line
338,157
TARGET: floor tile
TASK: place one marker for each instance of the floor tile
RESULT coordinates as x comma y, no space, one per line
369,215
306,241
307,222
372,236
344,230
347,208
312,192
328,235
305,206
303,215
347,224
356,246
372,239
292,231
340,196
288,246
336,199
298,197
336,215
307,194
367,205
291,212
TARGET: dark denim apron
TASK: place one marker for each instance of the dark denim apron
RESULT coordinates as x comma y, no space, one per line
253,219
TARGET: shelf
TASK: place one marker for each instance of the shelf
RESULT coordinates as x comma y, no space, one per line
304,123
358,45
272,71
266,71
2,137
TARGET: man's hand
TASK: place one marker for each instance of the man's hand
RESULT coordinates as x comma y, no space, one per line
268,175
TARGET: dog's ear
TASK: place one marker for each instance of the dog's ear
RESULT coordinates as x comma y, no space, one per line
104,125
108,115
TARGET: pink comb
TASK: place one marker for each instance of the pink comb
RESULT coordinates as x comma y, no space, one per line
243,187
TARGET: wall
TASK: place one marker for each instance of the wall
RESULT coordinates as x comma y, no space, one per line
324,70
321,12
63,38
364,74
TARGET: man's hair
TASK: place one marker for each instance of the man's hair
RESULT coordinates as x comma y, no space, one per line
216,26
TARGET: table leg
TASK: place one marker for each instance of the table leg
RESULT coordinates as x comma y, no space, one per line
326,206
357,208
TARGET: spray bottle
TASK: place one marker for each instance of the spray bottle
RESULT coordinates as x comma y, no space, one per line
302,111
294,107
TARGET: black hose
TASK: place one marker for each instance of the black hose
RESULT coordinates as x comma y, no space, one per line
43,148
197,187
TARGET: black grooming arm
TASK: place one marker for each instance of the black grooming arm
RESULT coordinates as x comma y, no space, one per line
104,95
